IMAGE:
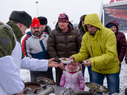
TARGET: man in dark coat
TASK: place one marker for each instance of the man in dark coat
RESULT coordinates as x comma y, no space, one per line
44,27
63,41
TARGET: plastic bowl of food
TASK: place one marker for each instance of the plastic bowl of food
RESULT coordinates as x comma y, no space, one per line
65,60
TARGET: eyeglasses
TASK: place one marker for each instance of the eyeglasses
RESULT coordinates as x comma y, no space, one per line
35,27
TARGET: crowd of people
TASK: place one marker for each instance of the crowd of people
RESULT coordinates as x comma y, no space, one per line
87,44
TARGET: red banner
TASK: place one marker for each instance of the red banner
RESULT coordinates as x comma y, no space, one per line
111,1
119,0
116,1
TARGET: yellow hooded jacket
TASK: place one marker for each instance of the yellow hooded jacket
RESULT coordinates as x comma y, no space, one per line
101,47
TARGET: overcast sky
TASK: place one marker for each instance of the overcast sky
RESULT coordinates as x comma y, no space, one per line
51,8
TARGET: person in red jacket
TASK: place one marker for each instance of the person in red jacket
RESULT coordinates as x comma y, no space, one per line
120,37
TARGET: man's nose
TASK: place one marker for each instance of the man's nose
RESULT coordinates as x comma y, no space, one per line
89,29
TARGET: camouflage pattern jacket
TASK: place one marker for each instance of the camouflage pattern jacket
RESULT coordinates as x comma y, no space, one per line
7,40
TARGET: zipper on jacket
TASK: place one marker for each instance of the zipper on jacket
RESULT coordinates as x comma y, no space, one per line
101,50
91,51
65,37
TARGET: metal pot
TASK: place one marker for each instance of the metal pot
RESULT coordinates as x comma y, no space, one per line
84,93
33,88
47,91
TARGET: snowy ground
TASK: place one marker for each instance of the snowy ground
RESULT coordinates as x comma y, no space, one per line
123,77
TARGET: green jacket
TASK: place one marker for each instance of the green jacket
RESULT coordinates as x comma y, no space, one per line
101,47
7,40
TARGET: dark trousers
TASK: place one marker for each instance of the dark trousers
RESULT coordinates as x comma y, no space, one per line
35,74
59,73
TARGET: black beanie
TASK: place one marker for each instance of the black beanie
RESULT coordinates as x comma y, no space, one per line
22,17
110,25
43,20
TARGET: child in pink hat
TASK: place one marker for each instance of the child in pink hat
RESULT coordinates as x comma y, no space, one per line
72,77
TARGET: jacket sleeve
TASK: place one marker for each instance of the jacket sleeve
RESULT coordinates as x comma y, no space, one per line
25,46
83,53
10,78
51,47
126,56
123,47
81,80
34,64
7,41
62,81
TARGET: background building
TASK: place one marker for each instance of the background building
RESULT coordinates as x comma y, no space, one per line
118,11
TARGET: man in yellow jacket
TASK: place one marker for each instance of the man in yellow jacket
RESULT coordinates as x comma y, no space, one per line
100,43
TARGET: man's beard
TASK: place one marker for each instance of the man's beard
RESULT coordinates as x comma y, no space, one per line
37,34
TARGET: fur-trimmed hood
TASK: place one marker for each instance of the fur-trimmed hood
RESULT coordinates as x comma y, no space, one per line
113,22
77,69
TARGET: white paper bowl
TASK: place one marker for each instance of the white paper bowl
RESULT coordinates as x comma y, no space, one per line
67,61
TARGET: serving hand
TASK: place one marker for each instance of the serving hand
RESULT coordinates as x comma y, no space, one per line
72,59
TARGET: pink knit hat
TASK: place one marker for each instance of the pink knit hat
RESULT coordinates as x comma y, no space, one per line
76,65
63,18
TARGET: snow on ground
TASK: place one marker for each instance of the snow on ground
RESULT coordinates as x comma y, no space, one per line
123,77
